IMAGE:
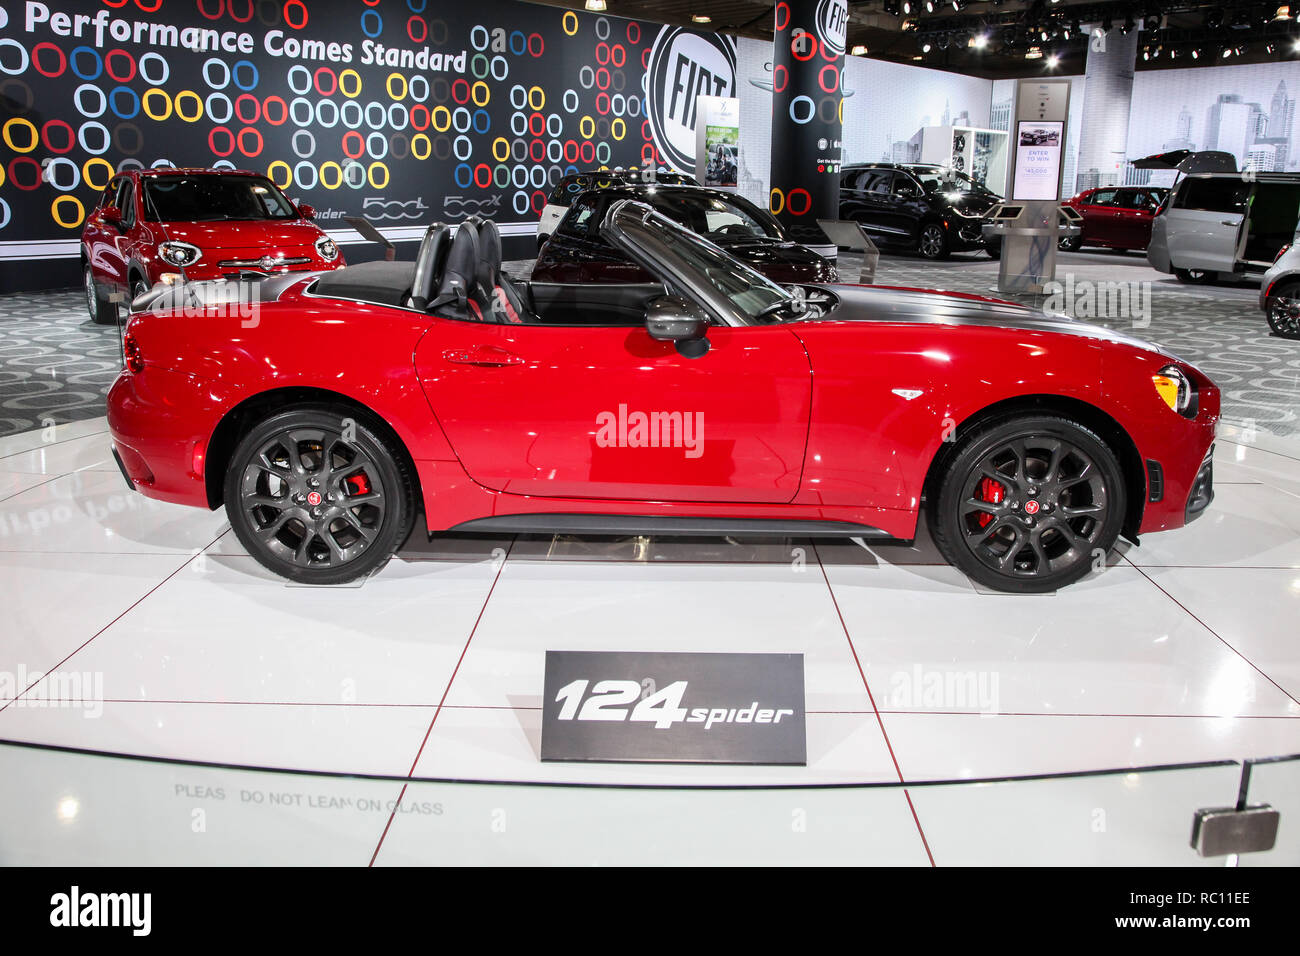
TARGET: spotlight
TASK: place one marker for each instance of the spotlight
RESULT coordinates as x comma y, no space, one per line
929,6
1146,54
859,50
1053,61
1283,13
1227,52
925,48
1034,53
595,6
907,6
1173,54
1196,53
700,18
956,5
979,41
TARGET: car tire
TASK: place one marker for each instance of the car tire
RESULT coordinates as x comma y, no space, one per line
933,241
1282,307
138,288
289,484
1070,243
1193,276
1028,504
102,311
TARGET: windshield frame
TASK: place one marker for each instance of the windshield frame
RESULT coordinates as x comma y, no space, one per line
661,245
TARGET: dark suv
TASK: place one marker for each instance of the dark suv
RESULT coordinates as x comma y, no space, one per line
932,209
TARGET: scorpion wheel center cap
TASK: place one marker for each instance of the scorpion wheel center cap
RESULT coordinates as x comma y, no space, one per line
1031,507
314,499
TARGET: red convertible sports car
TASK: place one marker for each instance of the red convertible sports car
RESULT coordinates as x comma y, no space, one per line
716,402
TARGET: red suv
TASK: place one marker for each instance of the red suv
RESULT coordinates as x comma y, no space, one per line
152,224
1118,217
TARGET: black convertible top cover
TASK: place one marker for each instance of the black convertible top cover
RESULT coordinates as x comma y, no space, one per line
386,283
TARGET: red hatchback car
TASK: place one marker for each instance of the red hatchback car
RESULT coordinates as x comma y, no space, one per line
729,405
195,223
1117,217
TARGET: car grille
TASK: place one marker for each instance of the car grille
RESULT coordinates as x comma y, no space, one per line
268,262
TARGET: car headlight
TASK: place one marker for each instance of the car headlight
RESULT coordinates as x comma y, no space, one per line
1176,390
180,254
327,249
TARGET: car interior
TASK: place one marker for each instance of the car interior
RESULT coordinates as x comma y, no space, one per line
458,275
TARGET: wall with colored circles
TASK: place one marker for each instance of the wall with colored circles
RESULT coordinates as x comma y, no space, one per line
404,111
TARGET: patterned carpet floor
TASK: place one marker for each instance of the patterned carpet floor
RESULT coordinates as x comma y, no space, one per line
56,366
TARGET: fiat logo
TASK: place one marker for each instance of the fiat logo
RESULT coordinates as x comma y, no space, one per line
314,499
1031,507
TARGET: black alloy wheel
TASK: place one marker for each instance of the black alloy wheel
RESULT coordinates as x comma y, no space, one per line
102,312
138,288
1029,504
1070,243
1193,276
318,496
1283,310
933,241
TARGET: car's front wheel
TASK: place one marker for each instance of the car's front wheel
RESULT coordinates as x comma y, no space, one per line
933,241
319,495
1283,310
1193,276
102,311
1028,504
1070,243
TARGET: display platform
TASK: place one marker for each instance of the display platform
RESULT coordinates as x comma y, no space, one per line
166,640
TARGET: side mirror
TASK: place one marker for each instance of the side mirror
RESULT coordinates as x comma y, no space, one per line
112,215
308,212
670,318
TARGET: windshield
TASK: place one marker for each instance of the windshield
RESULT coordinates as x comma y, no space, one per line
940,180
713,216
210,198
749,291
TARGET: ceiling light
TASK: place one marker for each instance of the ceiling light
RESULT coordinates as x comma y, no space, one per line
925,48
979,41
700,18
859,50
907,6
1053,61
929,6
1196,53
1283,13
956,5
595,6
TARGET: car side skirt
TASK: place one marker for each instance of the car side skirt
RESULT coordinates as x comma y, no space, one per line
552,523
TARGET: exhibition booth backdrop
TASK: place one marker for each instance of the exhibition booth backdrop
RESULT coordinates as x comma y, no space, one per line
408,111
404,111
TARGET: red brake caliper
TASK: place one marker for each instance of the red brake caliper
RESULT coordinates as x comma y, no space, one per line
992,492
360,485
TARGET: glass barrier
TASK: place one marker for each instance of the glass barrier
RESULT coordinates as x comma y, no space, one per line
66,807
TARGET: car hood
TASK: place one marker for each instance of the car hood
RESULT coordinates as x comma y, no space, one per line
927,306
269,234
973,204
762,251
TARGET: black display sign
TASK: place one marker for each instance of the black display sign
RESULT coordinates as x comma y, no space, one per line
807,114
674,708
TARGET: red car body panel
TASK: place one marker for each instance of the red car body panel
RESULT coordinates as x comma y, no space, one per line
809,420
1112,226
116,252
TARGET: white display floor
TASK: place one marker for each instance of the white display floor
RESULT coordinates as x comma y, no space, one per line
1183,650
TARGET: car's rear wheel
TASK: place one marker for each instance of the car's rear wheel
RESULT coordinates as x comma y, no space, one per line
1029,504
933,241
1193,276
1283,310
319,495
1070,243
102,311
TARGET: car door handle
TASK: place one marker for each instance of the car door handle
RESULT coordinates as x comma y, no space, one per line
1229,222
484,356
